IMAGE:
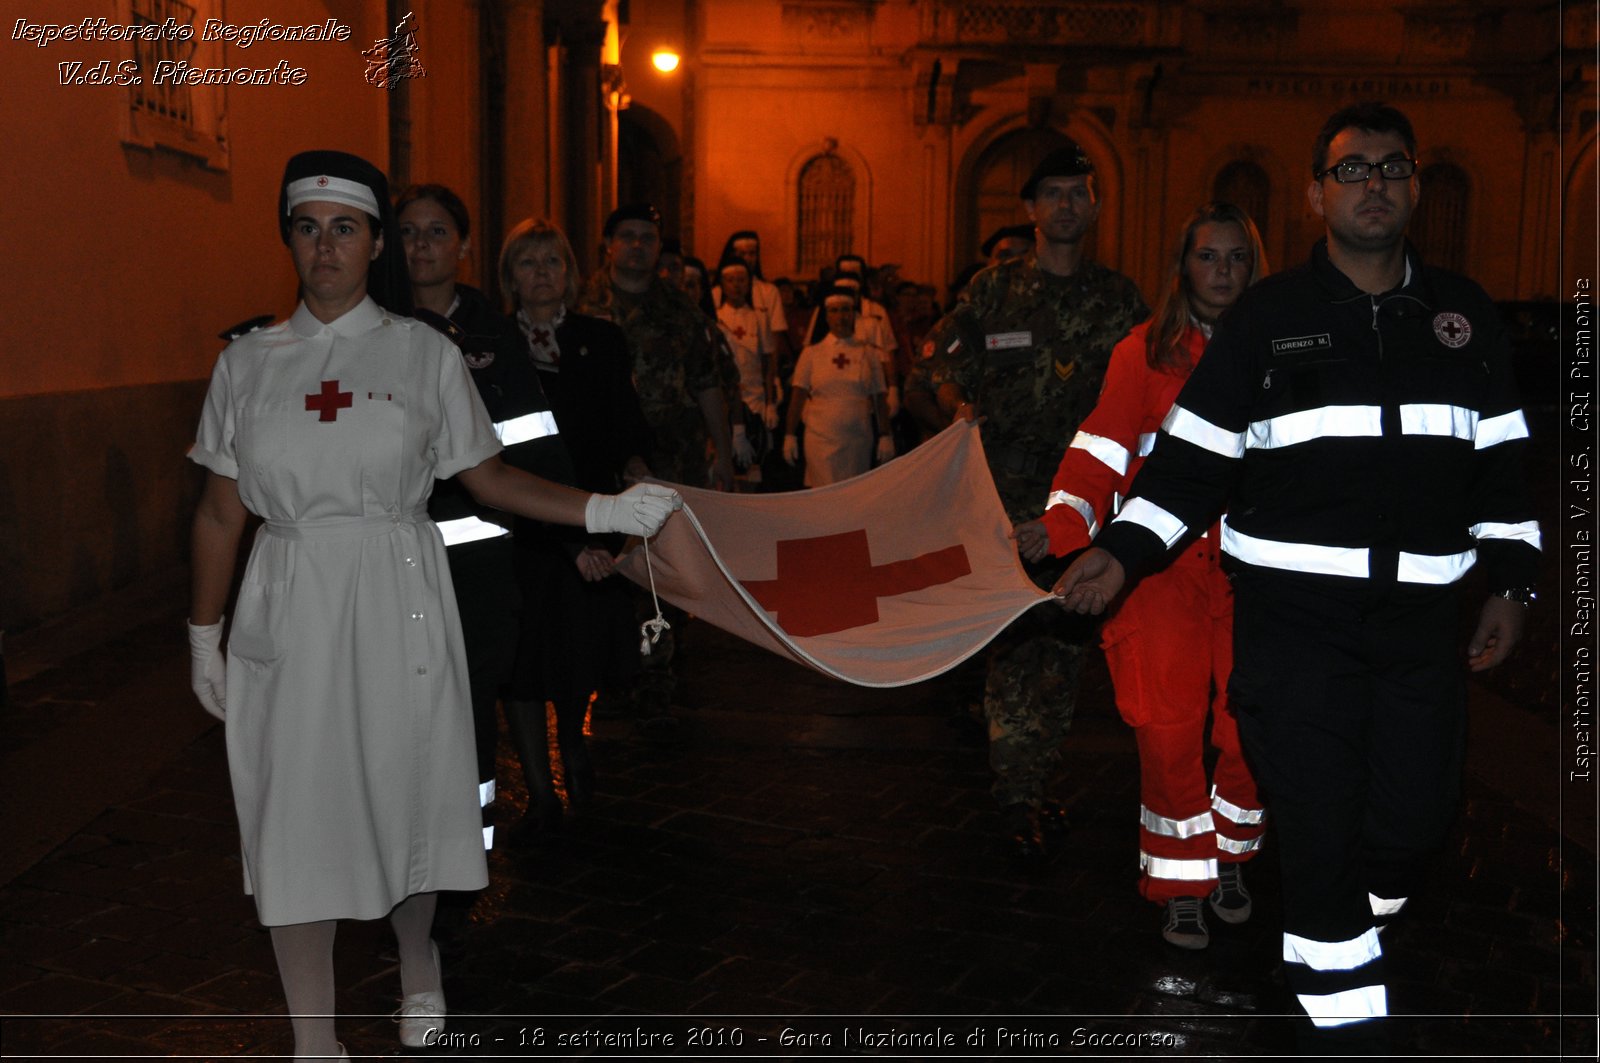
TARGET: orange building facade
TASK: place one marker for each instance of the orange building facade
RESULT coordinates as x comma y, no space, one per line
141,214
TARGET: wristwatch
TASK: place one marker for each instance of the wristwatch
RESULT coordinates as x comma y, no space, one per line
1523,596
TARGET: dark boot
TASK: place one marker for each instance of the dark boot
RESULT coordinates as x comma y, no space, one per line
577,767
1024,834
532,740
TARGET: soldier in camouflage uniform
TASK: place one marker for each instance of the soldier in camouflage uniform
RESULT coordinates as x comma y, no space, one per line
1028,351
683,379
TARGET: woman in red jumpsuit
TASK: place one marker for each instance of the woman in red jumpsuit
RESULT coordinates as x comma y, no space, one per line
1169,642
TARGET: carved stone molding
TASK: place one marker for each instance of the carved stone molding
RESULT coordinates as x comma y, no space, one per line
1261,28
1453,31
829,22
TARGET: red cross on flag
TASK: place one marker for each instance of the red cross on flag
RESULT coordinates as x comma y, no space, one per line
882,580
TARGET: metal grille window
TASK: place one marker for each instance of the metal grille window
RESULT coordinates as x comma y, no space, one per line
173,102
167,112
827,212
1439,227
1246,186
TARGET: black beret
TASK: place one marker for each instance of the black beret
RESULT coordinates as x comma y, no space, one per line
630,212
1069,160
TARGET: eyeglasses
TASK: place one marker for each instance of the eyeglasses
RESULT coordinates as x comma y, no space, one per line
1356,171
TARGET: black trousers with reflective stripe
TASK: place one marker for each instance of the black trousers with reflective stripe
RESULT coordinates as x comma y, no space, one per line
484,575
1352,713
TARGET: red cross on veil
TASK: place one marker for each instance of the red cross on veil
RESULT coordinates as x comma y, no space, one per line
329,401
828,583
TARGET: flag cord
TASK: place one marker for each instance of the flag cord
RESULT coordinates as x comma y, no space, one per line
651,630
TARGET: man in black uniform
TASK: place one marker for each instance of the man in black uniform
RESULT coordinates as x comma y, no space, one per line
1358,417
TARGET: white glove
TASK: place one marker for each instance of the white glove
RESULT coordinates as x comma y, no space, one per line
893,400
208,668
640,510
769,417
791,449
885,449
743,452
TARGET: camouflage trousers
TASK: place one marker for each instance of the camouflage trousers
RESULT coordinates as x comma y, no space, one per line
679,454
1029,697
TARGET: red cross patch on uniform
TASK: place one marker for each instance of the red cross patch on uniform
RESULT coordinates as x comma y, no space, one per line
1452,329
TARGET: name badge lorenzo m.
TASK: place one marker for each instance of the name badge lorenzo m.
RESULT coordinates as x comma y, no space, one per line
1301,344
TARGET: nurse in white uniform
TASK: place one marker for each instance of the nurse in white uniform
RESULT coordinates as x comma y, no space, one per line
838,395
344,684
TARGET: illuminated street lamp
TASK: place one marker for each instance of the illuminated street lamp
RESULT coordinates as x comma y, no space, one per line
664,60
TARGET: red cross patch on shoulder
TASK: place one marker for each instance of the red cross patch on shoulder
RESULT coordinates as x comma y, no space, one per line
1452,329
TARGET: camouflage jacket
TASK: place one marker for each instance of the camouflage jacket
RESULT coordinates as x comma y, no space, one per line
675,358
1030,351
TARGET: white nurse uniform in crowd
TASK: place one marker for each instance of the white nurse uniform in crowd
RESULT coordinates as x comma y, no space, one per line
842,376
349,726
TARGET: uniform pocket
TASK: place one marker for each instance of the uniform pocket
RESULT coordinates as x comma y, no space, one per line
258,620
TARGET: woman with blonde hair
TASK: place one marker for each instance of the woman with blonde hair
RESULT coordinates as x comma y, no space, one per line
580,637
1169,642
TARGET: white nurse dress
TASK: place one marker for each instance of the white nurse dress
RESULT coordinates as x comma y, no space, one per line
348,721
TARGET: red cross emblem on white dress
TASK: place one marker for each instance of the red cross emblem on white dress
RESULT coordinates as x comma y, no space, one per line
329,401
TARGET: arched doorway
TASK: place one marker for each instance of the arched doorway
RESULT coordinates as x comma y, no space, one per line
650,165
1246,185
1439,226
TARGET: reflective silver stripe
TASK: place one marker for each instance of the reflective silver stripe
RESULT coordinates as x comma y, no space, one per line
1233,845
1320,423
1332,955
528,426
488,837
1385,905
1147,443
1147,514
1177,870
1176,828
1436,569
1245,817
1352,1005
1109,452
468,530
1502,429
1296,557
1438,419
1085,510
1526,531
1202,433
486,794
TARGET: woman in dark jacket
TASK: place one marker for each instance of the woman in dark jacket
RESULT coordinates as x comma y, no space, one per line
580,640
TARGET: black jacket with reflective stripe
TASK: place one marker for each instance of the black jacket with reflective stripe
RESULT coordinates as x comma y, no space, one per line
1357,415
497,357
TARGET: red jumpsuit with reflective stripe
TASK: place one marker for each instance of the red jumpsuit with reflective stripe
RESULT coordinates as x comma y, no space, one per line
1168,642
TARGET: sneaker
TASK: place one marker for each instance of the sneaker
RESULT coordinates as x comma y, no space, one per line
1230,900
421,1015
1186,924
